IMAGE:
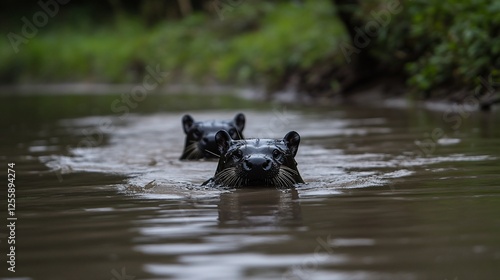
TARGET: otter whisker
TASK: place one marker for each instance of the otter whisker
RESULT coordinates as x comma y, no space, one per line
227,177
289,170
193,154
224,174
212,153
189,149
192,150
284,181
230,178
285,177
278,182
273,182
221,177
238,182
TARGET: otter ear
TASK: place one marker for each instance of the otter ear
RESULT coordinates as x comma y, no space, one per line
292,141
223,140
187,123
239,122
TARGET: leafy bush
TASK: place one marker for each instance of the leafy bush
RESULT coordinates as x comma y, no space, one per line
449,43
288,36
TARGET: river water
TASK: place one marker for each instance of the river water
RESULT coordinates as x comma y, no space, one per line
390,194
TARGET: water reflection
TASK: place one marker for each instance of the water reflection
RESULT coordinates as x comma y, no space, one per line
254,208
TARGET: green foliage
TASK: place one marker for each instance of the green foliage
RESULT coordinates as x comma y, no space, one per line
100,54
436,43
450,43
288,36
196,47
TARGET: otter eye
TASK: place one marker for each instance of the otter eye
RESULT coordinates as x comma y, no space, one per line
237,155
277,154
233,133
197,134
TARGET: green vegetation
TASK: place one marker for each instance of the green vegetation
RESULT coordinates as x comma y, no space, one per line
434,44
252,42
454,42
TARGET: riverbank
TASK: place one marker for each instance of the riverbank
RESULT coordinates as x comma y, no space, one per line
334,54
381,95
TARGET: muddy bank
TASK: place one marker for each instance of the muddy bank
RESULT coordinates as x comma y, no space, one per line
388,92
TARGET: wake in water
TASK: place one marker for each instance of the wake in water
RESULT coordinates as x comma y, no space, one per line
146,149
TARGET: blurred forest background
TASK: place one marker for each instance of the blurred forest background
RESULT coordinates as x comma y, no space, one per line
431,48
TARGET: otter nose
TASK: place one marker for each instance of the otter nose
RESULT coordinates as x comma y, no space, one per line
247,165
257,163
266,165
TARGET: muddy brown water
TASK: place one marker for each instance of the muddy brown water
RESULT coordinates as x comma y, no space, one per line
390,194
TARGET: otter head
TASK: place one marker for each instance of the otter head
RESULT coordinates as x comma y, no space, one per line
200,136
257,162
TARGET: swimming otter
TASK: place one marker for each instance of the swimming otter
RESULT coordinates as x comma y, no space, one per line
200,136
257,162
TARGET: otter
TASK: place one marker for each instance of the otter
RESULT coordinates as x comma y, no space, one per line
200,136
256,162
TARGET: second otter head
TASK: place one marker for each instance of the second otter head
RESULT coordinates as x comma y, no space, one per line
200,135
257,162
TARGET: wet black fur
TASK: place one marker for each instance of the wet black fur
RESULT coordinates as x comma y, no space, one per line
200,136
257,162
